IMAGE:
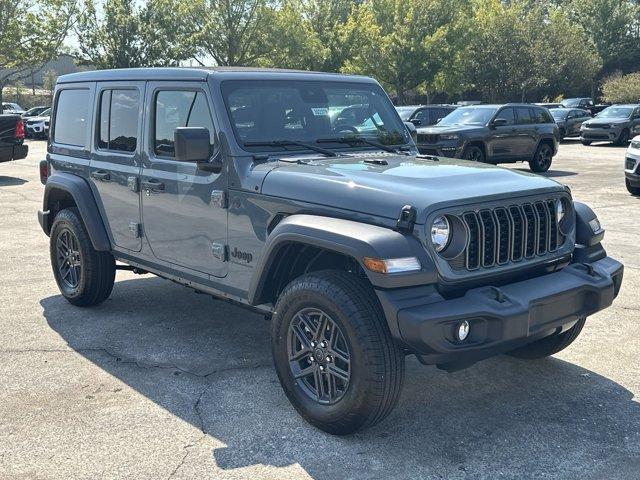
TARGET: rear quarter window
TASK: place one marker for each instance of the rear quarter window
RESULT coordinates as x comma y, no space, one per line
72,117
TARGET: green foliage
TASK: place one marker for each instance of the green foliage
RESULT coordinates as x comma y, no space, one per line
123,35
31,33
622,88
523,51
407,41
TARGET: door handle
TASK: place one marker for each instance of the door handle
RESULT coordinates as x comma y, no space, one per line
101,175
153,185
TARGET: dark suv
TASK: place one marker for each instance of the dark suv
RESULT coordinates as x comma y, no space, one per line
424,115
494,134
302,196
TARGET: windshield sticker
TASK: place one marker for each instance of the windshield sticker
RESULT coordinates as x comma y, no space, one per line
319,112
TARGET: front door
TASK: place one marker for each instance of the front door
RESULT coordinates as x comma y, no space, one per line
183,212
115,160
501,142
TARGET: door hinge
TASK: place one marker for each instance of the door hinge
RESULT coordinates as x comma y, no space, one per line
219,198
220,251
134,184
136,229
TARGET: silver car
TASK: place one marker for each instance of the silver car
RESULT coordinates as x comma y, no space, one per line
615,124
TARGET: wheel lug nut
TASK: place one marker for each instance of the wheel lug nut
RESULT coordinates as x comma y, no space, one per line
321,368
311,359
313,344
329,359
323,344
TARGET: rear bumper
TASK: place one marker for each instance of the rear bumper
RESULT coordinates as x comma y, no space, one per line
505,318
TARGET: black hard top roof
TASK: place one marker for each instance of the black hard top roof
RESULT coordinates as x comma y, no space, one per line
200,74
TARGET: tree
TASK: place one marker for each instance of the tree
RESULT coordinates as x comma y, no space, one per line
31,34
49,82
310,35
521,51
231,32
123,35
614,28
620,88
407,41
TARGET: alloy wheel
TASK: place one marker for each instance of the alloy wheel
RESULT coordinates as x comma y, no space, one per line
544,157
319,356
69,260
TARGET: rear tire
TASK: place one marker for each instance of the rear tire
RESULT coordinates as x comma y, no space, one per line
549,345
542,159
561,134
306,353
84,275
631,189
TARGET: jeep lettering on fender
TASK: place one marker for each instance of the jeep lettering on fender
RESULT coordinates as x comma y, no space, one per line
359,250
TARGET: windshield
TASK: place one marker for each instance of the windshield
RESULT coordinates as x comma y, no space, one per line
405,112
559,113
469,116
306,111
615,112
571,102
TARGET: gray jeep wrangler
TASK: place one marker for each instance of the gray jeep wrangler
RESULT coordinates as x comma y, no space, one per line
302,196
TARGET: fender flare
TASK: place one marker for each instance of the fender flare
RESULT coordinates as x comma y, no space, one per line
350,238
82,195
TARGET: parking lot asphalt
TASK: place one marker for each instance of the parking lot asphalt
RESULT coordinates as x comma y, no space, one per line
158,382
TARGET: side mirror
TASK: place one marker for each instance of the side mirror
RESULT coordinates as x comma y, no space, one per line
499,122
413,131
191,144
417,122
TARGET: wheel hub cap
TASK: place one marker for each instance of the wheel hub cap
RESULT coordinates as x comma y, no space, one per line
319,357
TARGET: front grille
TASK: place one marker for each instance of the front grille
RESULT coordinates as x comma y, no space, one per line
428,138
599,125
629,164
501,235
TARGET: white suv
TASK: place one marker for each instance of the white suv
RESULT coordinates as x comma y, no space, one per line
631,169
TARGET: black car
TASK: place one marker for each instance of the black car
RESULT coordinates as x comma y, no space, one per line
494,134
569,121
424,115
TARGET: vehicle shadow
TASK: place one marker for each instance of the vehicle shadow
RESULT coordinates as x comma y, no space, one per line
208,362
11,181
551,173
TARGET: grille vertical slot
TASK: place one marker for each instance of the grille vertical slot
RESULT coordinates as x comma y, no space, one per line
511,233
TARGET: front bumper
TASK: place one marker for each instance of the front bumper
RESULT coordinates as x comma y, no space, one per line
440,150
632,167
600,134
504,318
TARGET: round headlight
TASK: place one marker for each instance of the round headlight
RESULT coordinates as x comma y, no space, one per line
560,211
440,230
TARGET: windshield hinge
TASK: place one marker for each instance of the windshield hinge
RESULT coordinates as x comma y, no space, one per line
407,219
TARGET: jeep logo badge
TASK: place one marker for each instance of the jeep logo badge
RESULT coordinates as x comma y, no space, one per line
244,256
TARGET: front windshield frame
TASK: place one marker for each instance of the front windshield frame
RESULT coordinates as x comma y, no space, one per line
452,118
397,135
605,113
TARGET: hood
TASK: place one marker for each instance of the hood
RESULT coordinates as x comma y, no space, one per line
607,120
450,129
39,119
354,183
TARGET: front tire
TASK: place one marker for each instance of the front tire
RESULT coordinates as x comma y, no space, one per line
473,153
623,139
333,352
84,275
541,161
549,345
631,189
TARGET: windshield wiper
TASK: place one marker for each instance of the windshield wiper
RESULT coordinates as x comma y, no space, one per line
350,140
284,143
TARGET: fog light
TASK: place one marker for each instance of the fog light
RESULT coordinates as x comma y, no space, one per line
462,331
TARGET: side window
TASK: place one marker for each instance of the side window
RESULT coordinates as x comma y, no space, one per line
178,108
507,114
545,116
439,113
72,117
423,116
119,111
523,116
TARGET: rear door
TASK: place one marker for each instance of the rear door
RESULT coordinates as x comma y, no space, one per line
115,159
183,208
526,132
